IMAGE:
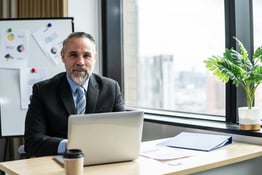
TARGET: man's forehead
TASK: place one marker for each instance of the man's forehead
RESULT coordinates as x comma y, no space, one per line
80,43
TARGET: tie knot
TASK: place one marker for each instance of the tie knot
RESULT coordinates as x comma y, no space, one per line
79,91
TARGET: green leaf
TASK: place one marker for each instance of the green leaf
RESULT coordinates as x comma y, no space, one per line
213,64
244,53
258,54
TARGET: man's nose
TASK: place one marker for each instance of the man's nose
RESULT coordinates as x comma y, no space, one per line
80,60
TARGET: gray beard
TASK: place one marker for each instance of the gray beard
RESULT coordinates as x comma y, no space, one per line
79,80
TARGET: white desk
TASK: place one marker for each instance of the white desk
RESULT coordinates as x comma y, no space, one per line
200,162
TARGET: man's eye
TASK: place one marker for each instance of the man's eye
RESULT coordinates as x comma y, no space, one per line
87,56
73,55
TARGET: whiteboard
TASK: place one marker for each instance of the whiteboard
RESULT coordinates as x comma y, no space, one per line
12,116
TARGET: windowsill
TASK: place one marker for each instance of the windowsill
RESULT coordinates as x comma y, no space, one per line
195,122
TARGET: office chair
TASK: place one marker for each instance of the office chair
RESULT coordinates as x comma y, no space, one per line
22,153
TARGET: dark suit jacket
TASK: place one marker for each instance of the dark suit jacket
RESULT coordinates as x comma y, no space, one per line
52,103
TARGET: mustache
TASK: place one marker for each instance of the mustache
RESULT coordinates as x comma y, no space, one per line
77,68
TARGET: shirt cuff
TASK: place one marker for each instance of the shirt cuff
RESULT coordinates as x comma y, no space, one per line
62,146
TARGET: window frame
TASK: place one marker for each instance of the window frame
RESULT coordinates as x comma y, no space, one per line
112,41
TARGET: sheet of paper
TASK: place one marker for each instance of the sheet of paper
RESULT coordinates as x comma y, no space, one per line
50,41
14,48
163,153
28,77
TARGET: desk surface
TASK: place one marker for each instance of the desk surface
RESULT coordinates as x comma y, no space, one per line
200,161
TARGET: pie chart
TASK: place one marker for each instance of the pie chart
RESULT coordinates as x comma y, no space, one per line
10,37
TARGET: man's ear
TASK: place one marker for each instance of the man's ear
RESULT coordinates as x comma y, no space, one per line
62,56
95,56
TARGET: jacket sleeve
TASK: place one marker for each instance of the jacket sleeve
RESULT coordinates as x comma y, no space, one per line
119,103
37,142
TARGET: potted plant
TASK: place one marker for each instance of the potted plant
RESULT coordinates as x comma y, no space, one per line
241,70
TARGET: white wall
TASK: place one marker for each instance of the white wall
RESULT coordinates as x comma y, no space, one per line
85,14
87,19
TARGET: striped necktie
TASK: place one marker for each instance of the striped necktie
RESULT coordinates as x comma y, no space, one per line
80,100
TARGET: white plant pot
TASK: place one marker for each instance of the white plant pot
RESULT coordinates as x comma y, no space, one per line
249,119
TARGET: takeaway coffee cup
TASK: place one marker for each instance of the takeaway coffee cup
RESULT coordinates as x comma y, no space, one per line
73,162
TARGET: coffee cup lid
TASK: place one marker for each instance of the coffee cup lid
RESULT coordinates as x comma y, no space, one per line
73,153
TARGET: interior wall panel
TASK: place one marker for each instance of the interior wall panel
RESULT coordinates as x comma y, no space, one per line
33,8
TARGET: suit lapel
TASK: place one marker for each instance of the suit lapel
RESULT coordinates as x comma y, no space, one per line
92,95
66,96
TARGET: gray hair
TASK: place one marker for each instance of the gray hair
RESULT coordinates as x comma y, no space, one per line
79,35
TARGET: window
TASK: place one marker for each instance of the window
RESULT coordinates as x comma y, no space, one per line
165,43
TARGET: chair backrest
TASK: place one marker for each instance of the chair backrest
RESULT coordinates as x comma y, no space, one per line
22,153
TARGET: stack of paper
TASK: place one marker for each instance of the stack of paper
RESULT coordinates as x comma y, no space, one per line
198,141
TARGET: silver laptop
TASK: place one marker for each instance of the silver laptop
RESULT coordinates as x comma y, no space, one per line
106,137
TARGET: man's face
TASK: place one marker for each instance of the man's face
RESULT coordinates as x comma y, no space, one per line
79,58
